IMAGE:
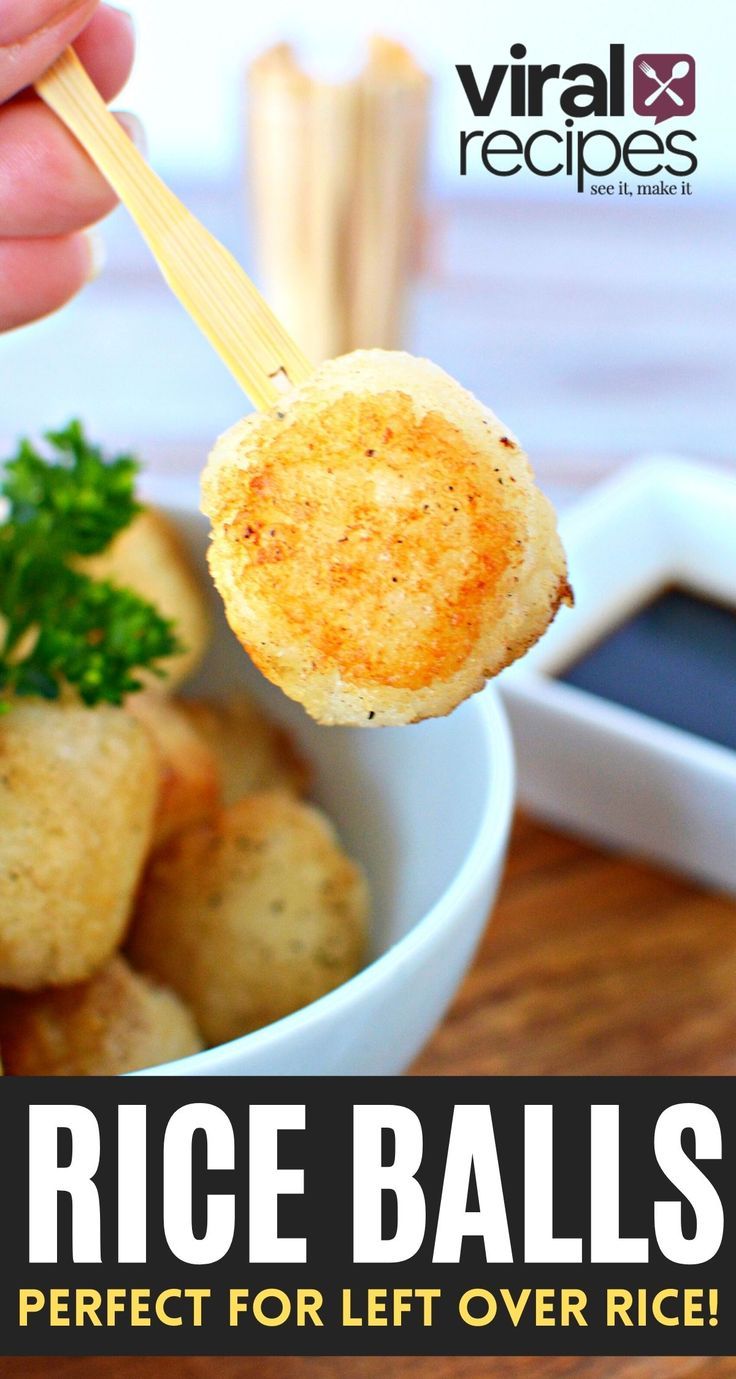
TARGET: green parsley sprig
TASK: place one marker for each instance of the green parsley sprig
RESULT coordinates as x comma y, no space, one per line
58,625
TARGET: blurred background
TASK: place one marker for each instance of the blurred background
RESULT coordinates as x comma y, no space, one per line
598,328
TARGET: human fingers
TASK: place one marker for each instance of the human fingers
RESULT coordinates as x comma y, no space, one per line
25,55
106,48
39,275
48,185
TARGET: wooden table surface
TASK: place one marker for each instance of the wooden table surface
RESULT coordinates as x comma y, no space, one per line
593,964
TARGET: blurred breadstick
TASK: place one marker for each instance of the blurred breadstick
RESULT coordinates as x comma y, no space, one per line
335,174
394,94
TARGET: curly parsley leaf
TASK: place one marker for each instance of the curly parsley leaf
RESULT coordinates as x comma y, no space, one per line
58,625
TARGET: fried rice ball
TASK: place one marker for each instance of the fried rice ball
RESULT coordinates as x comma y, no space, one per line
189,774
117,1022
78,790
148,558
379,542
251,915
252,752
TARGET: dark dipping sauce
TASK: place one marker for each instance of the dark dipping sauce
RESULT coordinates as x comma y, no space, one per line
674,660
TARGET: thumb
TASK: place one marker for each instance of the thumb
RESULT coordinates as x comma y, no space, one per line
24,58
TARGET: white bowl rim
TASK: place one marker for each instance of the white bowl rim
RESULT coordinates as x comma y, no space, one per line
487,846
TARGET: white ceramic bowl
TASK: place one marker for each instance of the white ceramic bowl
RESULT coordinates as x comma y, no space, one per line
427,811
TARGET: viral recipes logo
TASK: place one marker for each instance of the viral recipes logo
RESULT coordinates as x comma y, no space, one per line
585,98
664,85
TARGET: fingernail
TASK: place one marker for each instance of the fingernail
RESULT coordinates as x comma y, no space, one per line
97,254
133,128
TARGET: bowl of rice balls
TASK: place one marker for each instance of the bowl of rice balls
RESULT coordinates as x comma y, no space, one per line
195,875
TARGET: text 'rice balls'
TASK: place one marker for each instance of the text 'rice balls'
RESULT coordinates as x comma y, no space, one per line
148,558
252,915
115,1023
78,790
379,542
190,781
252,752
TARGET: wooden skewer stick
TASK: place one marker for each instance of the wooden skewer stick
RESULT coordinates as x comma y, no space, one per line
205,277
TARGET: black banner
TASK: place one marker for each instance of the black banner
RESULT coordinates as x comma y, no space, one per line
317,1216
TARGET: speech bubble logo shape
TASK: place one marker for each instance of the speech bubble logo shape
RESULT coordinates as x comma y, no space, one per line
664,85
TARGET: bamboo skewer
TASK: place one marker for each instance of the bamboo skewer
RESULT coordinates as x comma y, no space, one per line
205,277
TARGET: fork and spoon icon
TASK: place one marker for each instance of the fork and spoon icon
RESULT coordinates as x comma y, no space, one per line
679,70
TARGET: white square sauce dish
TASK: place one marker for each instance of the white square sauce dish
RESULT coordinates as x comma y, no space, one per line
640,760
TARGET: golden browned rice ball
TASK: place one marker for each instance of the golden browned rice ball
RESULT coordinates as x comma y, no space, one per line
78,790
190,782
251,916
148,558
251,751
379,542
115,1023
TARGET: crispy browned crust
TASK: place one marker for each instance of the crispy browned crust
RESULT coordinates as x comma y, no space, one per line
379,542
114,1023
190,780
78,790
252,914
252,752
149,558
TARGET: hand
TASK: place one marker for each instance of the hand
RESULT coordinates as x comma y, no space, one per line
49,189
